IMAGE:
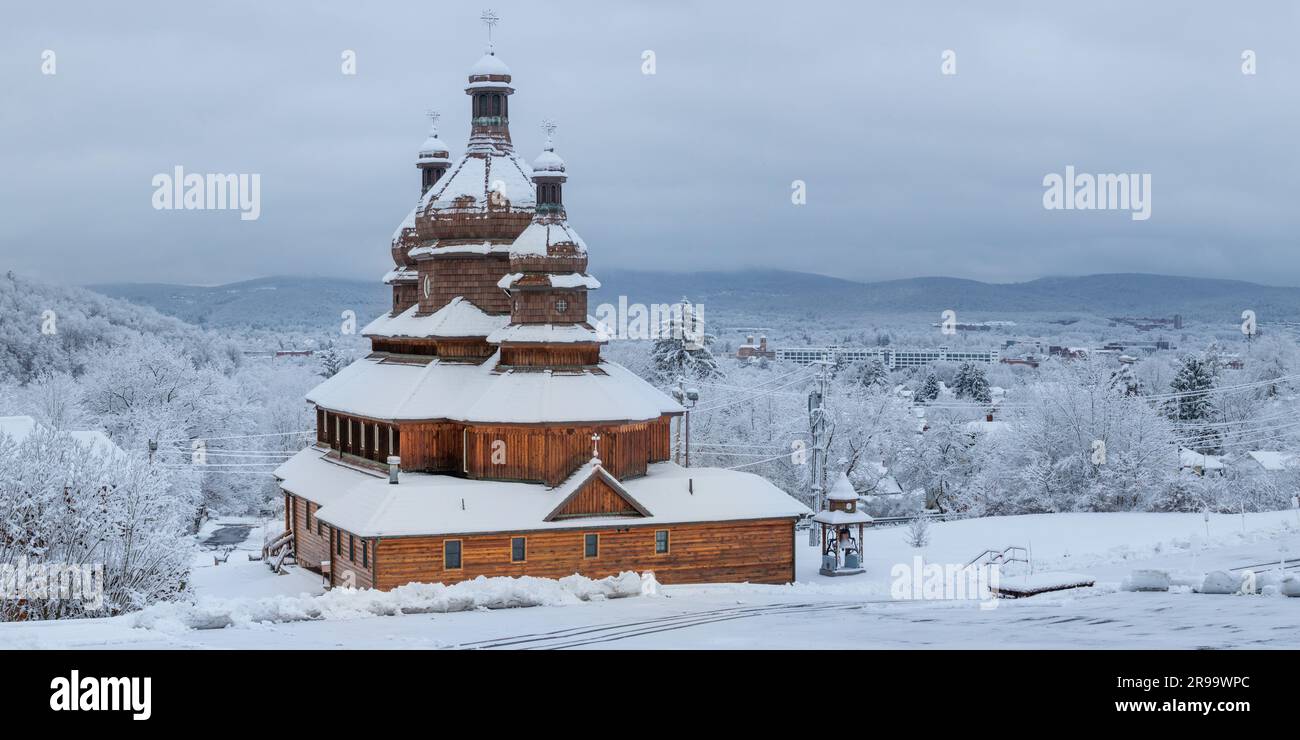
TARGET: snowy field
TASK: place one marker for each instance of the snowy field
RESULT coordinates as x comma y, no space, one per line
816,612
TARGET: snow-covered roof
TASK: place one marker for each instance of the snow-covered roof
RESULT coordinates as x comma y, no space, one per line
313,474
548,333
561,280
1193,459
480,175
842,517
459,318
489,64
421,503
842,490
407,223
380,389
479,248
538,237
400,274
987,427
18,428
1273,460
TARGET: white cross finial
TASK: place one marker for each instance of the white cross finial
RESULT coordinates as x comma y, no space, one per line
489,19
433,116
549,127
595,445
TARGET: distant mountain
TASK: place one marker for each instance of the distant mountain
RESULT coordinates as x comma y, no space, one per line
1099,295
318,302
264,303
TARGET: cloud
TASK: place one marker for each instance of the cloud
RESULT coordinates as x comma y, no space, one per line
908,172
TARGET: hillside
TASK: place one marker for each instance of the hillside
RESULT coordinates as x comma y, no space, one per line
317,302
85,327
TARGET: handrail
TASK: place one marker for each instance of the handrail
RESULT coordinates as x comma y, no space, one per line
1002,556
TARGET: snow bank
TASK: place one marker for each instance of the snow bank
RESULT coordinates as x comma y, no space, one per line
1147,580
1221,582
1291,586
413,598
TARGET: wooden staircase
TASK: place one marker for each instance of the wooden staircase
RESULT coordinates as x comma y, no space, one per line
278,552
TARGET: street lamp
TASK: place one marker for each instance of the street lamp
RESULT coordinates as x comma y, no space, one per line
686,397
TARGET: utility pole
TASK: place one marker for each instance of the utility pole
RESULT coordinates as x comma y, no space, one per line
817,425
686,397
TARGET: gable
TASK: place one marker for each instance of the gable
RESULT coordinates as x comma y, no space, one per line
599,495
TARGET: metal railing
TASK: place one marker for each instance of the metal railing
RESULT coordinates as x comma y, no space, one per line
1008,554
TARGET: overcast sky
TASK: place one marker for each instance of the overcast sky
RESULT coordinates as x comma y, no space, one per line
909,172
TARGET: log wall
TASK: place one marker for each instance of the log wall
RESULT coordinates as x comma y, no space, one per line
310,535
760,551
351,561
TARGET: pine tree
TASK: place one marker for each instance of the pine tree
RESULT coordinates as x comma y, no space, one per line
683,348
930,388
971,383
1195,378
331,361
870,373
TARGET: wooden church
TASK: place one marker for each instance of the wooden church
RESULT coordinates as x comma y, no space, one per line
484,434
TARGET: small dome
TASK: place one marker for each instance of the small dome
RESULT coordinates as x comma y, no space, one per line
489,64
548,162
434,150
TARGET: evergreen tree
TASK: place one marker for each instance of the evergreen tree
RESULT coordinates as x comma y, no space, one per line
870,373
331,361
929,389
1195,378
683,347
971,383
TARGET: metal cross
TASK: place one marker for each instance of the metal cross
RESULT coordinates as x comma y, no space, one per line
595,444
490,19
433,116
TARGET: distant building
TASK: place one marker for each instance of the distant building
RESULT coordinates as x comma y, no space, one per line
889,357
749,350
19,428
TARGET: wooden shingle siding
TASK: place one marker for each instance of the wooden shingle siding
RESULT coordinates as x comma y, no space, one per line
539,306
760,551
473,277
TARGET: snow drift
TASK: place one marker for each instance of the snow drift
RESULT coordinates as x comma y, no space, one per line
413,598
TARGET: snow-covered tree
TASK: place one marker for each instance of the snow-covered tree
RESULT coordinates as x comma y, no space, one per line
682,348
1193,409
929,389
64,504
1075,444
869,373
970,382
332,360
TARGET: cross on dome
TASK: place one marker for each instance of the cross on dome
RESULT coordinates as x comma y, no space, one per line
490,20
549,127
595,446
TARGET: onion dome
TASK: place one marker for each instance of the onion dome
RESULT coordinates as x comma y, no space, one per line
548,163
487,196
433,150
488,67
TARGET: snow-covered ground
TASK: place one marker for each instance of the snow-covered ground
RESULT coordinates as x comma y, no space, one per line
817,612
